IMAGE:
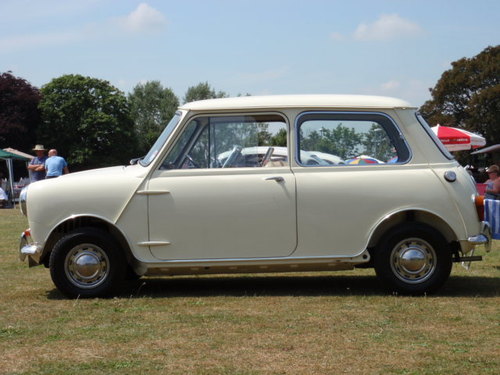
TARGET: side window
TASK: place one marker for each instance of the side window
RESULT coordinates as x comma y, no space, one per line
230,142
349,139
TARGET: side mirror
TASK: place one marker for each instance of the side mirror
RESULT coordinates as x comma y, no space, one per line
134,161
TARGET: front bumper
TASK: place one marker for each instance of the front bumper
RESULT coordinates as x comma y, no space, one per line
29,249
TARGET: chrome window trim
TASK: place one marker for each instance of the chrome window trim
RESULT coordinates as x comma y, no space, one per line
187,120
394,123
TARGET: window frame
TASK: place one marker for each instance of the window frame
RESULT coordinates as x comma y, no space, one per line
391,127
209,116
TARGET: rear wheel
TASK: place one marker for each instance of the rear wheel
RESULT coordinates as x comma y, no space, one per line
87,263
413,258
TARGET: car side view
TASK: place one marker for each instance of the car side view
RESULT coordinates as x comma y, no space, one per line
264,184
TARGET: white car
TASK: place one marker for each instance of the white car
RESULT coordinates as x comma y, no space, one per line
262,184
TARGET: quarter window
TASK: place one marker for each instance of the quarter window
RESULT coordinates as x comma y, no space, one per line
230,142
349,139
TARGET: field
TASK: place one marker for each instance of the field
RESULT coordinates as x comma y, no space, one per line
326,323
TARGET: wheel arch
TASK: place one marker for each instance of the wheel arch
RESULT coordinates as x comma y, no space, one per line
412,215
86,221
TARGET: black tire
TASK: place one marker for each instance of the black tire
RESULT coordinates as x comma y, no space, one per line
87,263
413,258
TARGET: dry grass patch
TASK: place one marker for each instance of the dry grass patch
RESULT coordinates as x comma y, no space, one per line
325,323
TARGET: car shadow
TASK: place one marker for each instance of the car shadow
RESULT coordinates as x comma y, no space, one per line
283,285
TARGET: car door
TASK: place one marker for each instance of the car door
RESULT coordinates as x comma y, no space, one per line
223,193
352,171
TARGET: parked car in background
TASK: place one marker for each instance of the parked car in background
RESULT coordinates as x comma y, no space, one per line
264,184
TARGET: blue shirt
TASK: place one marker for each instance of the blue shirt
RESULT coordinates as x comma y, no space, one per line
55,165
38,175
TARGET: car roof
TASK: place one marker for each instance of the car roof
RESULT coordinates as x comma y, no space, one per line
299,101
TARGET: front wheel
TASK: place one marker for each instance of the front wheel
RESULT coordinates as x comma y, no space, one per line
87,263
413,259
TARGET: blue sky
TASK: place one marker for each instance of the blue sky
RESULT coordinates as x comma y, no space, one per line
394,48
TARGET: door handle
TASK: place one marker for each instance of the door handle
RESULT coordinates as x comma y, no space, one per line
275,178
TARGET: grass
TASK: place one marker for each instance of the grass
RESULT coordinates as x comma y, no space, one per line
323,323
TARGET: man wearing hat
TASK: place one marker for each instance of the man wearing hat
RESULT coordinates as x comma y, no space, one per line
37,164
493,184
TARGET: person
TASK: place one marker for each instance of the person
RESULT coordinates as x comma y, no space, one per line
493,183
4,199
55,165
37,164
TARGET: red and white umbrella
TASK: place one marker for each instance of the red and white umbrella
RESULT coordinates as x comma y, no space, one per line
455,139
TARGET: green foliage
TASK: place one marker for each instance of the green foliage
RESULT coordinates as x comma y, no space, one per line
88,121
151,107
202,91
468,95
19,114
377,144
341,141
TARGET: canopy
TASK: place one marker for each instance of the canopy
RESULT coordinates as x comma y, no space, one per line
19,153
455,139
363,159
8,157
494,148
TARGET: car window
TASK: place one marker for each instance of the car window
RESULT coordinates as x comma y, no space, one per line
155,149
246,141
349,139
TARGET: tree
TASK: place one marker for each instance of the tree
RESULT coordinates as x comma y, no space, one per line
19,114
468,95
202,91
151,107
88,121
341,141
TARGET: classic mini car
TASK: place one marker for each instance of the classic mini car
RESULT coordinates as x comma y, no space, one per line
264,184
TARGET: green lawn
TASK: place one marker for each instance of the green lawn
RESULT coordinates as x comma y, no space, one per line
324,323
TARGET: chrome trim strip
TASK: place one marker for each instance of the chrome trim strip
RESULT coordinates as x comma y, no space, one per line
152,192
153,243
296,145
361,258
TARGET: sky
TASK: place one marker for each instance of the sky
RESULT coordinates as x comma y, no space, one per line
397,48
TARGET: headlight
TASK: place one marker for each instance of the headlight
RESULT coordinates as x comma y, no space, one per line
23,196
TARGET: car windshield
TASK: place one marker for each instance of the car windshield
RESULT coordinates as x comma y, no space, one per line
161,140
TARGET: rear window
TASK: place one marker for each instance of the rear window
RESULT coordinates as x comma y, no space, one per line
327,138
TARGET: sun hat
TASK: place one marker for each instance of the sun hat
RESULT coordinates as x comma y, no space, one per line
493,168
39,148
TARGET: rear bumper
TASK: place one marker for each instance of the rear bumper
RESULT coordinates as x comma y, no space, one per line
483,238
29,249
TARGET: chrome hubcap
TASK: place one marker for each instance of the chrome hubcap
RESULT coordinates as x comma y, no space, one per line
86,266
413,260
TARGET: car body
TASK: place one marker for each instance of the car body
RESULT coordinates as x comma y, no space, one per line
264,184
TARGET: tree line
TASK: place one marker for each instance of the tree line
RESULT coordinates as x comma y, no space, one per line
94,124
91,122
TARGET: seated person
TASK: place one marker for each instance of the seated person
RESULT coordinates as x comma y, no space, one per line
4,200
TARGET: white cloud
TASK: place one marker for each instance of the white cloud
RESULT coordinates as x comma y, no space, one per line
143,19
387,27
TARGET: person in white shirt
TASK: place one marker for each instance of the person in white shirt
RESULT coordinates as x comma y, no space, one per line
3,198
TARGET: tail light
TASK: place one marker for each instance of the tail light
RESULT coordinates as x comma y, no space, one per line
479,201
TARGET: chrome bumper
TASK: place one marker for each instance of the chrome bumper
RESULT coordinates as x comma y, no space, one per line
30,249
483,238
